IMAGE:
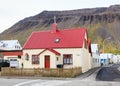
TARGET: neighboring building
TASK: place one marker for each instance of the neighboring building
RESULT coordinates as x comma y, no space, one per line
108,58
58,48
11,50
118,58
10,45
113,58
104,59
95,55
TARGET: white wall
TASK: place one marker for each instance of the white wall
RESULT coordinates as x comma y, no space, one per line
52,59
115,59
95,55
110,57
87,60
13,57
28,64
81,58
95,60
118,58
76,52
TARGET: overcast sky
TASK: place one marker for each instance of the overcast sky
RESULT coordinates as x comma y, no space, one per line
12,11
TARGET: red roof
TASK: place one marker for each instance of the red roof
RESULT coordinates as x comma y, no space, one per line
12,53
51,50
71,38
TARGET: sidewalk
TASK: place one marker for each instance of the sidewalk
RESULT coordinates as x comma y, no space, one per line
88,73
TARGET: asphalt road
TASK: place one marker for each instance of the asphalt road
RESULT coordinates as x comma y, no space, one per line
87,79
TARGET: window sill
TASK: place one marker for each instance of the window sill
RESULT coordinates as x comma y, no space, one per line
67,64
35,64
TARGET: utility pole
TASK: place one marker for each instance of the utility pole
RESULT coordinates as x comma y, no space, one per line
104,41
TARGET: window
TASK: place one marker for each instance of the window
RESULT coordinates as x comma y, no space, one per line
67,59
57,58
35,59
13,59
96,60
27,57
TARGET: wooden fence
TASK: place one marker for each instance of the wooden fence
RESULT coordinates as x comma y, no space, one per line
59,72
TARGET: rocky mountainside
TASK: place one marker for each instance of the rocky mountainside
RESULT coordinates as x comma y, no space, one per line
101,23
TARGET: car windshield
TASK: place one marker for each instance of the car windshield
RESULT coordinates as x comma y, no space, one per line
1,60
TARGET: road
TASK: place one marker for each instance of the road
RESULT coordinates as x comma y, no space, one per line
87,79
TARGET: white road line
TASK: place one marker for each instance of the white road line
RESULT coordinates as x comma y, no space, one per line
26,82
50,83
43,83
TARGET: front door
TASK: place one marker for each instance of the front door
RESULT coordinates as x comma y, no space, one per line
47,61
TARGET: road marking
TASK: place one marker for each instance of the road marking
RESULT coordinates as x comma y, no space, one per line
50,83
43,83
26,82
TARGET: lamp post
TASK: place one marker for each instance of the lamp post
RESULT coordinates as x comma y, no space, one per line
104,41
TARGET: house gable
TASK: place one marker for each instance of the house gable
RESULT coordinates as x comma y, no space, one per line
51,50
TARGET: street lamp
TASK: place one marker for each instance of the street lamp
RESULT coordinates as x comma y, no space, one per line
104,41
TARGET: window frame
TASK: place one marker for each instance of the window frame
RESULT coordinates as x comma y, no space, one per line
27,57
67,59
35,59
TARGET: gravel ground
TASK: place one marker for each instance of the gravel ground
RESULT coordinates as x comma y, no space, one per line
111,73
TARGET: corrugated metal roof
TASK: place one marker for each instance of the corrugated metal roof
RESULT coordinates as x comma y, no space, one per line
10,45
72,38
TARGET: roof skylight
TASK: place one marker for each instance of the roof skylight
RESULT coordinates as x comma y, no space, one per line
57,40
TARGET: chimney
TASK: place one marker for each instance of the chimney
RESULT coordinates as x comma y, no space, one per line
54,26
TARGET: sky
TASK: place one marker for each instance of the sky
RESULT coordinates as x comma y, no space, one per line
12,11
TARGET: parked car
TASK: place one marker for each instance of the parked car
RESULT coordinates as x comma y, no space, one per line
4,63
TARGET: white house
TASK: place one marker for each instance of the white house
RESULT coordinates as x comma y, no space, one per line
11,50
104,59
95,55
58,48
113,58
118,58
108,58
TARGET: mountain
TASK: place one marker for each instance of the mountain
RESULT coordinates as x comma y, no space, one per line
101,23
